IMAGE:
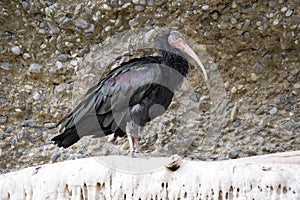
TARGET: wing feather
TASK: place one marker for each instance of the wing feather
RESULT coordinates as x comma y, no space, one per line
115,92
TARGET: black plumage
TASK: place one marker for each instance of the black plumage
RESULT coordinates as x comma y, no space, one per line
125,98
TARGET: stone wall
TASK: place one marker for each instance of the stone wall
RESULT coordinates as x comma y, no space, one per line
44,46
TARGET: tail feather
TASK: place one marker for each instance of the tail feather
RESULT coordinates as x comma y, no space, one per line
66,139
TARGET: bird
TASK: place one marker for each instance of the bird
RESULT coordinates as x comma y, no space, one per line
131,95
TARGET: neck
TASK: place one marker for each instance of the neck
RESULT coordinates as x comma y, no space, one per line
176,61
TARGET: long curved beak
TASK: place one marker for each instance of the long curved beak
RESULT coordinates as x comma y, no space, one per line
188,50
180,44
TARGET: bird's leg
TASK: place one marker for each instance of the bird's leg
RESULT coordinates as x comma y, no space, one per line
129,128
132,130
136,138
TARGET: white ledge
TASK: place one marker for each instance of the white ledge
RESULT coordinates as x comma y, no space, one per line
274,176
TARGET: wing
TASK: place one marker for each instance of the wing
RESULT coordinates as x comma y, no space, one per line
116,92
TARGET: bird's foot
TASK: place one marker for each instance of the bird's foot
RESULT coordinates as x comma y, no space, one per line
140,155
